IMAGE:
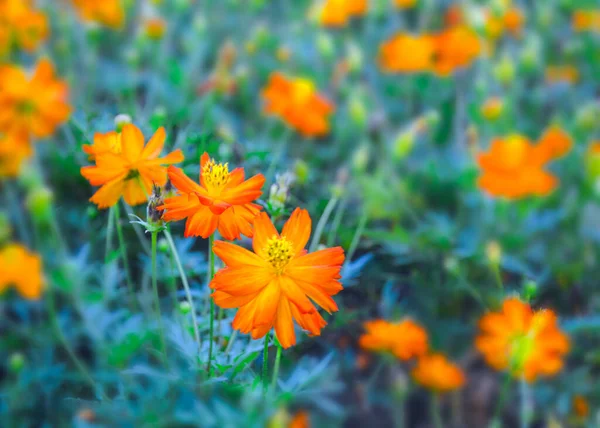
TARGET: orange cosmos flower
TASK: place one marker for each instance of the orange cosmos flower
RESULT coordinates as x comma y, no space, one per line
21,269
128,168
273,285
513,21
405,53
222,200
105,12
492,108
32,106
526,343
581,407
456,47
586,20
337,13
562,73
297,102
155,28
435,372
405,339
300,420
21,25
14,149
513,167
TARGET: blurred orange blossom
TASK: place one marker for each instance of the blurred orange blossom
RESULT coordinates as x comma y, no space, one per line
526,343
513,167
105,12
405,339
32,105
21,26
21,269
337,13
273,285
13,151
222,200
297,102
127,168
436,373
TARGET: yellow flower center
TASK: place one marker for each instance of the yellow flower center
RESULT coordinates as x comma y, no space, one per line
115,144
279,252
521,347
26,107
303,89
215,175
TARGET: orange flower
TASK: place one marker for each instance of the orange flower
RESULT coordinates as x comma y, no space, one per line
21,269
435,372
526,343
105,12
297,102
562,73
21,25
405,4
155,28
405,53
456,47
581,407
272,285
300,420
130,168
405,339
13,151
110,142
222,200
513,167
492,108
513,21
586,20
337,13
32,106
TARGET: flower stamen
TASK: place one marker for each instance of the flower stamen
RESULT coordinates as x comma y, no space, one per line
279,252
216,174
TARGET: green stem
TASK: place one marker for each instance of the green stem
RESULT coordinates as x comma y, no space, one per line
123,251
186,287
502,397
265,367
436,417
362,223
156,299
65,343
497,276
337,220
276,367
107,249
138,229
524,389
211,274
321,224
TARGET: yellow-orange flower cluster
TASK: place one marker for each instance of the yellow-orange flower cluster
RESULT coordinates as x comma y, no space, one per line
512,21
337,13
125,167
514,168
274,285
586,20
562,73
436,373
405,339
21,26
442,53
223,200
105,12
32,106
21,269
526,343
297,102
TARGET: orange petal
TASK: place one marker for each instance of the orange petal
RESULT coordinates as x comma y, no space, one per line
263,231
241,280
296,295
133,142
236,256
284,325
155,144
297,229
202,223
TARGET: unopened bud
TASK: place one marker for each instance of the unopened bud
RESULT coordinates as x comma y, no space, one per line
163,245
39,203
493,252
185,307
530,288
301,171
16,362
403,144
121,120
504,71
155,28
358,111
153,214
492,108
588,117
360,159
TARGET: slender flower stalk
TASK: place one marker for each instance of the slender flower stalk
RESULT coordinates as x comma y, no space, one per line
436,417
156,299
211,274
186,287
265,366
322,222
276,367
123,252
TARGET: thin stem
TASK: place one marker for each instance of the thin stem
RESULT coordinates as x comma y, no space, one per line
362,223
337,220
321,224
230,342
65,343
156,299
497,275
276,367
123,251
107,249
138,230
525,411
265,366
211,273
436,417
186,287
502,397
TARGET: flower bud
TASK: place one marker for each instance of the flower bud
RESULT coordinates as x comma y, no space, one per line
492,108
493,252
39,203
155,28
185,307
279,191
163,245
504,71
153,214
16,362
354,57
360,159
159,116
451,265
121,120
281,419
358,111
403,144
588,117
530,288
301,171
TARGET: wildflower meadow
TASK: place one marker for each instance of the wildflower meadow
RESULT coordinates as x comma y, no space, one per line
300,213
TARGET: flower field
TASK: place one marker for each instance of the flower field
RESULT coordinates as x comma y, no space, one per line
300,213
